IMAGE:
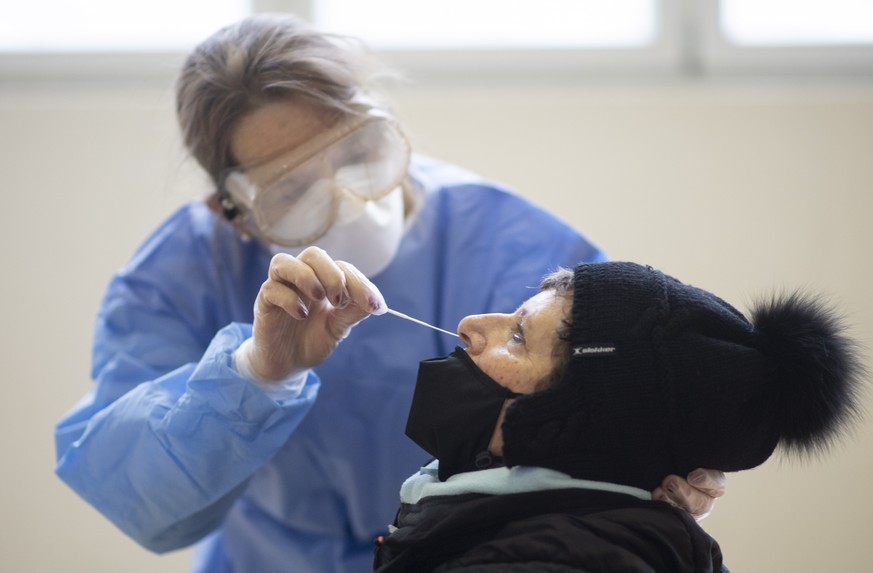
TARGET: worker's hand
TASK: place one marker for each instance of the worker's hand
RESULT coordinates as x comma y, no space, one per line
304,309
696,495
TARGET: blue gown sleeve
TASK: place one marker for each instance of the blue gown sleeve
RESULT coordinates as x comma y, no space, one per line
170,433
166,460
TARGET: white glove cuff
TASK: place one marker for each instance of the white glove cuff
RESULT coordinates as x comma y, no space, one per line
284,389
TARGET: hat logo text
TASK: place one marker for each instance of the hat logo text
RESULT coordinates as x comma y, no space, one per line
594,350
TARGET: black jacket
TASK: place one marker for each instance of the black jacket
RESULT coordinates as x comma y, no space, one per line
554,531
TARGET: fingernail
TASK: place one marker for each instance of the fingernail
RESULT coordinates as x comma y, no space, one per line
670,486
375,304
318,293
302,311
697,476
343,299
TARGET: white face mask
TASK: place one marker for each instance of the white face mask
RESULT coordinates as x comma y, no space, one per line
366,233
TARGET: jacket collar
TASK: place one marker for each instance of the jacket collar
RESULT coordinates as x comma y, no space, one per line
502,480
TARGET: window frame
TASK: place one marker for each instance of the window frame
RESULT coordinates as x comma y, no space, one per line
688,44
470,66
721,58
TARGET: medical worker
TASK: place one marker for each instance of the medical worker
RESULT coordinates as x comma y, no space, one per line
205,423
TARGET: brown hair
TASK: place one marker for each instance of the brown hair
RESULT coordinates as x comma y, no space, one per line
561,282
261,59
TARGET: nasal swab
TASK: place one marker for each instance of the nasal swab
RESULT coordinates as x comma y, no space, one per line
416,321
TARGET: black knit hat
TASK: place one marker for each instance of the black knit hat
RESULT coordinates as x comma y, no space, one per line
664,378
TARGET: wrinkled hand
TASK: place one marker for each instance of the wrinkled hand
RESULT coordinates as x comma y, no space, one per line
307,305
696,495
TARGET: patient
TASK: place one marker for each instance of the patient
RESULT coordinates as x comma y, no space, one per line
556,422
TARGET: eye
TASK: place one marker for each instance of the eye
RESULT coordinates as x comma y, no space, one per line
518,334
358,157
289,191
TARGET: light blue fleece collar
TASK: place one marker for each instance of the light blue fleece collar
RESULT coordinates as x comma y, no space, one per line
494,481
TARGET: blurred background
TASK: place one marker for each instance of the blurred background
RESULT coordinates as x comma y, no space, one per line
728,143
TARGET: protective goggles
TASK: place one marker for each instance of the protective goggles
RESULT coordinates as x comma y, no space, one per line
294,198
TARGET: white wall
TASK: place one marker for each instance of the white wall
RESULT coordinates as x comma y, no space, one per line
736,189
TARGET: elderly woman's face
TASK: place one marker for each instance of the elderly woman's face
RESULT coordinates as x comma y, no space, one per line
517,350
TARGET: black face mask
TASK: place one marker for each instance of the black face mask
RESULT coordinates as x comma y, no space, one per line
454,410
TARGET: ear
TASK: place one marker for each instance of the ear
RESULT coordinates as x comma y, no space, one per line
214,204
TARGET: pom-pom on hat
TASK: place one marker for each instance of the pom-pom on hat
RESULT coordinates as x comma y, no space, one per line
664,378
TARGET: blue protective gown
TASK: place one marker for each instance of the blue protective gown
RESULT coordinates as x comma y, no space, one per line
175,447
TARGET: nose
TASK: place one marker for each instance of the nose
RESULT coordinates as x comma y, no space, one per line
476,329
